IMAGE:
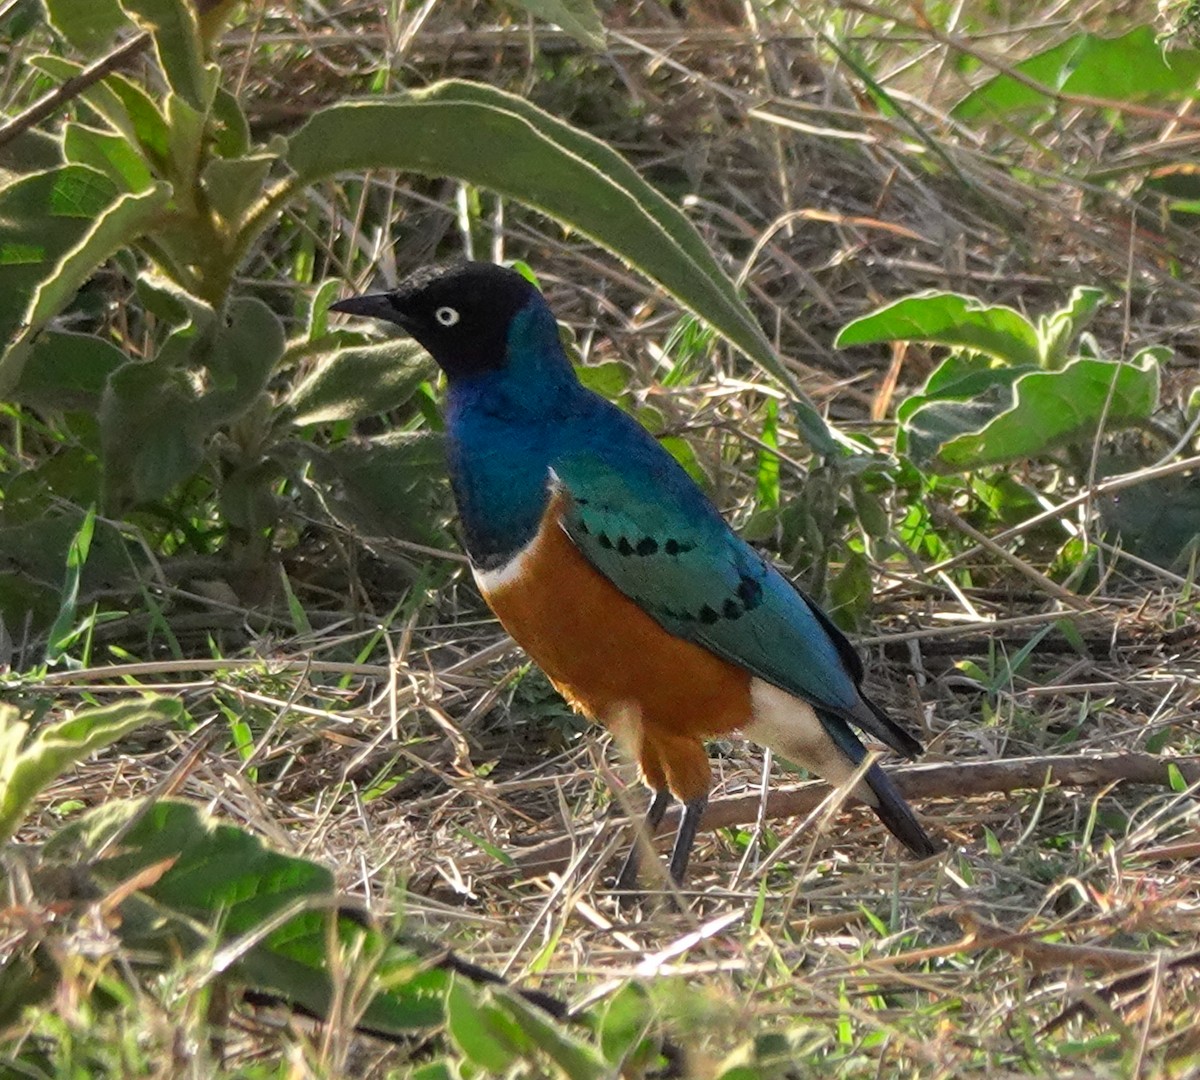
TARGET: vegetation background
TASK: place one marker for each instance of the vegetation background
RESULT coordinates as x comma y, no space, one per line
943,258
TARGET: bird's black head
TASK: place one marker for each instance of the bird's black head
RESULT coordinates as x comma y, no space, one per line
459,312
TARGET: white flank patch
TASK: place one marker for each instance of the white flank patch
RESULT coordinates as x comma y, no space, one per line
509,573
787,726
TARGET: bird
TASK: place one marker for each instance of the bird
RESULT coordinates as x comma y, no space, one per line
610,566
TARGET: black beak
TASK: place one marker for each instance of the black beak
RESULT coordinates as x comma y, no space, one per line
374,306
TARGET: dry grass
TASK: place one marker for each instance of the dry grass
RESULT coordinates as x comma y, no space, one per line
1060,933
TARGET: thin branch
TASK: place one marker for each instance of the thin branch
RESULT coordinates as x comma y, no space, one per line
49,104
941,780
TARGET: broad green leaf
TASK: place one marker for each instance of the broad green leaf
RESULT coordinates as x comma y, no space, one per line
262,916
88,25
574,1058
1059,329
42,217
499,141
235,184
390,486
353,383
185,126
120,101
27,765
240,358
578,18
485,1036
942,318
228,125
119,224
609,379
150,431
109,153
29,152
1057,408
624,1022
166,300
172,25
964,392
850,592
1134,67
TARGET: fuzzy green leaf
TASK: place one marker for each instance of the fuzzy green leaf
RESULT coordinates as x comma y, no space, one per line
1057,408
362,381
172,25
952,319
115,226
1133,67
88,25
263,915
28,765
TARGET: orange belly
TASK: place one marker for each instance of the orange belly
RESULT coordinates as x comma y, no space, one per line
613,662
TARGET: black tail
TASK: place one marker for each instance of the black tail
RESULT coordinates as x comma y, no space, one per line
897,815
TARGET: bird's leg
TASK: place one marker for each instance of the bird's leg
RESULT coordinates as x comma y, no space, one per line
685,838
627,878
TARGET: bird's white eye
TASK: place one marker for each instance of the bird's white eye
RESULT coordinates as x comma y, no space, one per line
447,316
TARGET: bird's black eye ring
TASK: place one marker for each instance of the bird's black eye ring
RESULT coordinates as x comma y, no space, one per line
446,316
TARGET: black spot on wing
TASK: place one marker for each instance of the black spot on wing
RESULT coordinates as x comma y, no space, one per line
624,546
709,615
731,609
604,541
677,547
647,545
750,592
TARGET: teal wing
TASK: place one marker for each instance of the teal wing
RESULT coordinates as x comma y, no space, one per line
645,526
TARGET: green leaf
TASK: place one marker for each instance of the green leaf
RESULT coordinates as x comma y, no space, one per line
499,141
43,216
88,25
609,379
1176,778
1157,519
263,917
964,393
767,479
62,629
109,153
66,371
390,486
1058,408
185,127
578,18
1059,329
1133,67
952,319
625,1021
575,1059
27,766
228,125
483,1034
117,225
150,431
124,104
354,383
172,25
234,184
240,358
850,592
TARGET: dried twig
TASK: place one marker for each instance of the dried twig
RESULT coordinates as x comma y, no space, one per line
941,780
